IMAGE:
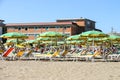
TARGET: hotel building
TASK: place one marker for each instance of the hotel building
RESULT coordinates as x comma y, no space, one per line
64,26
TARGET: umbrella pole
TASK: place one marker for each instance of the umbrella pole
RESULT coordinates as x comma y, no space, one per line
93,41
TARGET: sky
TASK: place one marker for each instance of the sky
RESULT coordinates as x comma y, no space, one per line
106,13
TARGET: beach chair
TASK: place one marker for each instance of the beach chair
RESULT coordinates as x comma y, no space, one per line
1,51
63,54
56,53
19,54
96,54
47,56
6,53
113,57
82,56
83,52
27,55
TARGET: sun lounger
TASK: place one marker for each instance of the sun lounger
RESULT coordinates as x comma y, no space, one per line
27,55
113,57
64,53
19,55
47,56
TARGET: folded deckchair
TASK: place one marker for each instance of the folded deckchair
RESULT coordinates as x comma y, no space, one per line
6,53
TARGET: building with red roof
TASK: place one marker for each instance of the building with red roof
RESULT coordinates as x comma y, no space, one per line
64,26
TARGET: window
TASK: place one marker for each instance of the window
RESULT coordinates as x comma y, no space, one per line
64,28
35,28
26,28
31,28
57,27
46,28
19,28
88,22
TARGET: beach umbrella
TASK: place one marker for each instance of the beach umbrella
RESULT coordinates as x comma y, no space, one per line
93,34
95,39
30,42
114,37
61,42
15,41
14,35
45,39
111,39
75,37
75,42
51,34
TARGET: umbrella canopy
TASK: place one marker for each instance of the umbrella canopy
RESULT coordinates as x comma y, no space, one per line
75,37
93,33
14,35
31,42
111,38
15,41
75,42
114,37
95,40
51,34
45,39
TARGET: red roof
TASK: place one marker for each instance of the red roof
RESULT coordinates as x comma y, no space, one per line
39,24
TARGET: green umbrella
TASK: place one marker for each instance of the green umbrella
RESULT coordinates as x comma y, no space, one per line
75,42
14,35
45,39
95,39
75,37
93,33
61,42
31,42
114,37
51,34
15,41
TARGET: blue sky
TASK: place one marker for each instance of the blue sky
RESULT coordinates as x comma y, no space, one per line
106,13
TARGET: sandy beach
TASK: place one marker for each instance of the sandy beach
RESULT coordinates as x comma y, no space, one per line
39,70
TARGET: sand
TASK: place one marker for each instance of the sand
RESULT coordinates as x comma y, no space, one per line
41,70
